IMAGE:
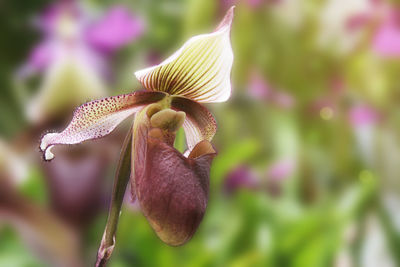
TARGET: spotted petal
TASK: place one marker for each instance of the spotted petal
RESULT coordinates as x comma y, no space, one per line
199,70
98,118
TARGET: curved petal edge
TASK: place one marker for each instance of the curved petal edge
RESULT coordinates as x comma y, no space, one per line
199,123
199,70
173,190
98,118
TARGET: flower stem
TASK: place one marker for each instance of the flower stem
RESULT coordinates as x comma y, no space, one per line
121,180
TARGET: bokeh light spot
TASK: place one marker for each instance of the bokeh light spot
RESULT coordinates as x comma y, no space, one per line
326,113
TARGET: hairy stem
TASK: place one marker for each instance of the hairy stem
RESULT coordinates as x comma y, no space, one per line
121,180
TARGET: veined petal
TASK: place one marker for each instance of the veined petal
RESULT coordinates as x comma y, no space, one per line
199,124
172,189
199,70
173,200
98,118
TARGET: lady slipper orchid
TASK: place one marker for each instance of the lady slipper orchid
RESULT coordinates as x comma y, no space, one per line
172,188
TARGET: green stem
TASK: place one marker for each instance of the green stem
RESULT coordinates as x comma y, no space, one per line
121,181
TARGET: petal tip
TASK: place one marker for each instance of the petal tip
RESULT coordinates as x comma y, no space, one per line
46,146
138,74
142,73
97,119
199,70
227,20
48,155
203,148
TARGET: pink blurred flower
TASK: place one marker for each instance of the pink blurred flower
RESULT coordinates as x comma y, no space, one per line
117,28
224,4
386,41
363,115
258,86
69,30
283,99
241,177
255,3
77,184
280,170
343,23
357,21
260,89
73,56
39,57
47,21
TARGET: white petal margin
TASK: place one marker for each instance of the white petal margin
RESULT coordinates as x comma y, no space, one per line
199,123
199,70
98,118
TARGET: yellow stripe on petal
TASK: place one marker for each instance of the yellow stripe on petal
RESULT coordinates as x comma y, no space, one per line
199,70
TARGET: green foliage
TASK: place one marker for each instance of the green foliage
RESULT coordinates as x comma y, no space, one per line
342,173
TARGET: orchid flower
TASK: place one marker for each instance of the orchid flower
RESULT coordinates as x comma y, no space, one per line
239,178
69,30
386,41
172,188
73,56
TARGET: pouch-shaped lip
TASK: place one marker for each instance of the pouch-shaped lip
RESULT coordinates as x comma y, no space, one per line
172,190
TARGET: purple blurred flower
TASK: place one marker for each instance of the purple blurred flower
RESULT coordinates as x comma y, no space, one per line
283,99
277,172
241,177
343,23
73,56
280,170
362,115
260,89
77,183
255,3
357,21
386,41
258,86
39,57
48,21
117,28
69,30
224,4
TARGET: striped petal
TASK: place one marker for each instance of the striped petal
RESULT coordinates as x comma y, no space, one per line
98,118
199,124
199,70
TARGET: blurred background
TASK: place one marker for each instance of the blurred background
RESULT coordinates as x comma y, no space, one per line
309,144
